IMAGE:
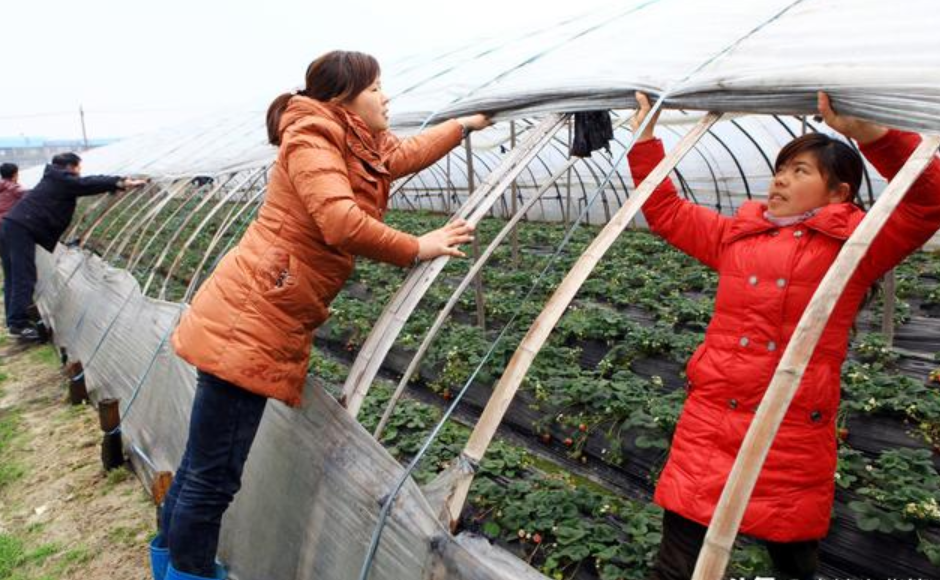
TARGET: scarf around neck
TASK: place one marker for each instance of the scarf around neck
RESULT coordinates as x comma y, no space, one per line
792,220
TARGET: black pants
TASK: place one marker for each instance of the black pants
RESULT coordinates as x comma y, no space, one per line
222,427
18,251
683,539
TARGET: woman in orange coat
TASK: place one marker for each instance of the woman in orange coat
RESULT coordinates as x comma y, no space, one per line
250,328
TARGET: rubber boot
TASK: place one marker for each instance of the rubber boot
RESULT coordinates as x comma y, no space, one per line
159,558
174,574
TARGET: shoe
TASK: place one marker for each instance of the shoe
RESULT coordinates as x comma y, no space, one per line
30,335
174,574
159,558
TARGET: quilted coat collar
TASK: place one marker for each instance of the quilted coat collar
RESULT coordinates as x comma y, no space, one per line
836,220
360,140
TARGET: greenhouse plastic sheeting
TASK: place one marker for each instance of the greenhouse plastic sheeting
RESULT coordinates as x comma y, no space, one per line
315,477
879,60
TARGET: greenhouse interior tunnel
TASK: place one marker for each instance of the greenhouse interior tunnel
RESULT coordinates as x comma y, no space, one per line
564,487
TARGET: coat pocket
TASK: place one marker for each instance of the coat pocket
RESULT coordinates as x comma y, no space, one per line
691,368
286,294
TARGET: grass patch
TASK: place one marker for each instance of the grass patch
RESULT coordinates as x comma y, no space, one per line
76,556
16,560
114,478
45,355
39,556
9,472
11,555
10,469
126,535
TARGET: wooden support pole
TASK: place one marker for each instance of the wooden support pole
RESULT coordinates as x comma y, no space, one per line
399,309
109,414
162,481
514,192
567,209
159,487
112,448
889,286
478,279
450,184
78,392
539,331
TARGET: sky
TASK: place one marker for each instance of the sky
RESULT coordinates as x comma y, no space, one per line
134,66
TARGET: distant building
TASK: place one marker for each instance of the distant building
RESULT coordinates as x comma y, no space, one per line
29,151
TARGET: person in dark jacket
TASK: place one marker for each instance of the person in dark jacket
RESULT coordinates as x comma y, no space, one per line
10,192
40,218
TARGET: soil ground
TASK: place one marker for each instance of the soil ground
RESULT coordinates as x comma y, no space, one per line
61,515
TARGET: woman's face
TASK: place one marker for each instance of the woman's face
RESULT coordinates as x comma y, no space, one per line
372,106
799,186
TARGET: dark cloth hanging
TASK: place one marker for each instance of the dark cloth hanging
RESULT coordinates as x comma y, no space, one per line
592,131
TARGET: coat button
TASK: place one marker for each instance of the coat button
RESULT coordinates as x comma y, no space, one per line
752,280
771,346
798,234
732,403
744,341
815,416
781,282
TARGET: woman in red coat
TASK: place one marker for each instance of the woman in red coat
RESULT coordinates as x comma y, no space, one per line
770,257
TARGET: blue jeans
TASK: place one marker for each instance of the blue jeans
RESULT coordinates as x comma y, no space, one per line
18,253
222,427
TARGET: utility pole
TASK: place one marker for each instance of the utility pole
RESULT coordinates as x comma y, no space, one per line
81,113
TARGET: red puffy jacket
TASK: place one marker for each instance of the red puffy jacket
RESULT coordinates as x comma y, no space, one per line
10,193
767,276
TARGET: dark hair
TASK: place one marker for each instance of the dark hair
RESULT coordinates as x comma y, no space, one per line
9,170
338,75
837,161
66,159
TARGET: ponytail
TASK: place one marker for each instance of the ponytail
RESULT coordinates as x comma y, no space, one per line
274,118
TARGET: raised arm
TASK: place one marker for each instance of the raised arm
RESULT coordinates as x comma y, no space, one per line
95,184
693,229
406,156
917,217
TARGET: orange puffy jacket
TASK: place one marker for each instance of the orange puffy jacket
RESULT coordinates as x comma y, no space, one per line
253,320
767,276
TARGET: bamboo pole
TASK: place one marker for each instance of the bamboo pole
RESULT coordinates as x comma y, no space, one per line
113,203
138,251
169,244
478,279
223,229
566,210
719,540
248,183
406,299
509,228
172,190
538,333
514,192
455,296
889,287
140,207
